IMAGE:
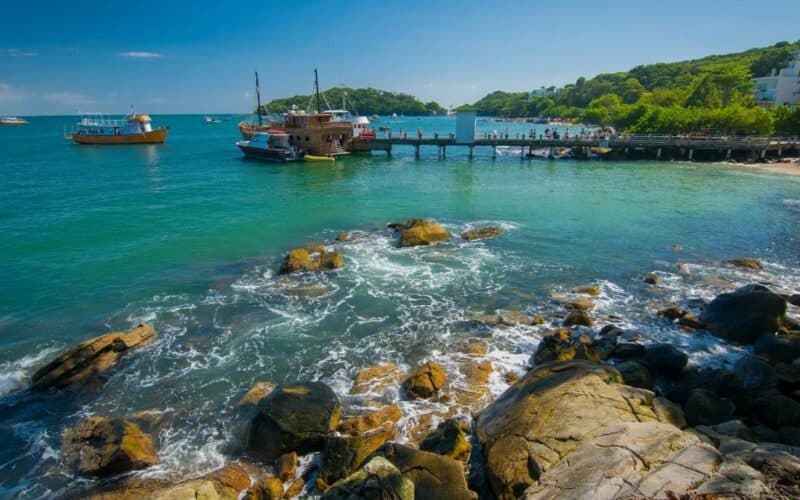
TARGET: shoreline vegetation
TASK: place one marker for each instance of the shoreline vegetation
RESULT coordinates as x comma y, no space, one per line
711,95
597,413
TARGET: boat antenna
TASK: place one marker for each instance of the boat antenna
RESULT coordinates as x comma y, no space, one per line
316,90
258,100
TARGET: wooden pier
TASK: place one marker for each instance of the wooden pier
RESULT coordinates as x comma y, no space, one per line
656,147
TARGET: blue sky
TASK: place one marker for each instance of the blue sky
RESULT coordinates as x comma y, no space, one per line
182,57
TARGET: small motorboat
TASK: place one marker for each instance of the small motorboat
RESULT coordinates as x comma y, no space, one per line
12,120
318,158
211,120
273,147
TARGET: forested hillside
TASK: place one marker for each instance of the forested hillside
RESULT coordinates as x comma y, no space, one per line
713,94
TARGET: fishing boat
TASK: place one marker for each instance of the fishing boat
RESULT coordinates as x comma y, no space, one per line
273,146
134,129
12,120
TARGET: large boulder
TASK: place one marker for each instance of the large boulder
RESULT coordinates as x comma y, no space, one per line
102,447
706,408
426,381
778,348
562,345
266,488
549,413
294,418
417,232
90,359
665,359
629,460
746,314
435,477
377,480
635,374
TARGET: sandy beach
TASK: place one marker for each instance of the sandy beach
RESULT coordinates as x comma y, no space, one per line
785,168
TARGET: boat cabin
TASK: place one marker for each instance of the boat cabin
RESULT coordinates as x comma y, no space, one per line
318,133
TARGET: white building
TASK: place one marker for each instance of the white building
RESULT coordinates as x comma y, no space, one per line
782,87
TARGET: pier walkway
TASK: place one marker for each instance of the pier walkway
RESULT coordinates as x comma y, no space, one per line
619,146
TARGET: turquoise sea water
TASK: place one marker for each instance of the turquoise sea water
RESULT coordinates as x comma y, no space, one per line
188,236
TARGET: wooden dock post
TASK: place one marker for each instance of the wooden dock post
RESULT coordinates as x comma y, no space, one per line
691,154
763,153
494,151
728,154
658,154
416,150
444,152
471,148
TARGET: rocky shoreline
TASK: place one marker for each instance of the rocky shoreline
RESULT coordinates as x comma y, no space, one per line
597,414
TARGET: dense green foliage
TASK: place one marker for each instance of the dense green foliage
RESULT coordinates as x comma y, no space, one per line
363,101
713,95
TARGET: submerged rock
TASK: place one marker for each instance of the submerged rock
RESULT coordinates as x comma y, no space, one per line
378,479
377,378
101,446
417,232
310,259
549,413
591,290
652,279
435,477
746,314
426,381
449,439
259,391
578,318
294,418
90,359
747,263
778,348
482,233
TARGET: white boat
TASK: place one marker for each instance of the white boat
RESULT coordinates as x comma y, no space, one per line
210,119
12,120
272,147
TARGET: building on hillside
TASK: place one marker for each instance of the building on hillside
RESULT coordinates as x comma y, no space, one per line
782,87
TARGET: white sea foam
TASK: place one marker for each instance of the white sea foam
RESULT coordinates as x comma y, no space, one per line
14,375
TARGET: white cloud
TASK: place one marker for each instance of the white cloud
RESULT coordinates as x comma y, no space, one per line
18,53
141,55
71,99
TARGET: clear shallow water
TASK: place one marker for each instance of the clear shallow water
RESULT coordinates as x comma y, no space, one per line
188,235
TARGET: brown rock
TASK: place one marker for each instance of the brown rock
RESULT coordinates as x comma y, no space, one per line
266,488
435,477
747,263
426,381
343,455
90,359
474,347
295,488
344,236
376,378
287,466
449,439
364,423
418,232
578,318
482,233
549,413
591,290
311,258
259,391
101,446
672,312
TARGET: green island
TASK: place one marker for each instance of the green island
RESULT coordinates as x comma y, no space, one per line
367,101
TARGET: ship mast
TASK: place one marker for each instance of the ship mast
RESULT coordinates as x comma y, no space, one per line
316,90
258,100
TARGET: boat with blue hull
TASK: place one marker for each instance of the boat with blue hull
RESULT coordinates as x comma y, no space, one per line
270,146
